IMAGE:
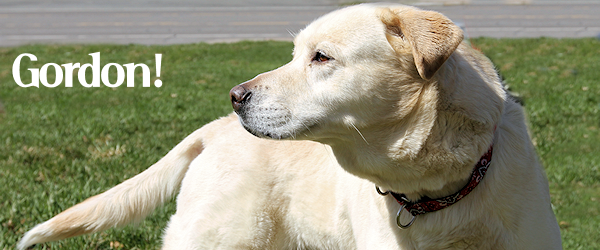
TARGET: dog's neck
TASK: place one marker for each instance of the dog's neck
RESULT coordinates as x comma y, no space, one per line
427,204
432,150
441,166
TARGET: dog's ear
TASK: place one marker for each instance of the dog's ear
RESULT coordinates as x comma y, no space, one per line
430,36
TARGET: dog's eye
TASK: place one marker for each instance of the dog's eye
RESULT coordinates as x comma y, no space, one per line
320,57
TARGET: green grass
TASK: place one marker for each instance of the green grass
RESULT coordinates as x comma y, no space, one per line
59,146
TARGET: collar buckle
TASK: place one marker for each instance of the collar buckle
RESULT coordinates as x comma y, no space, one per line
404,202
399,223
431,205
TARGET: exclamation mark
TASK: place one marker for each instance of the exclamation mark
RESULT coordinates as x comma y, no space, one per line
158,82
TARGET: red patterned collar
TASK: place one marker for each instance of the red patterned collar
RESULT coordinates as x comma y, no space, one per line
427,204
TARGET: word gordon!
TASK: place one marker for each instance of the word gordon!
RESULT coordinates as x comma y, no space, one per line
41,74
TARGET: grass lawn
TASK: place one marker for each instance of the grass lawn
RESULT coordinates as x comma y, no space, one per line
61,145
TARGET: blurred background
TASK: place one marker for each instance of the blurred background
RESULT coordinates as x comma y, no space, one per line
187,21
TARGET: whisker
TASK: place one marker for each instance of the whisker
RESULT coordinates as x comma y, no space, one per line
361,135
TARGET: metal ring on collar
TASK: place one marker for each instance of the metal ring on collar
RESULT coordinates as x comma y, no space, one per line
381,193
400,223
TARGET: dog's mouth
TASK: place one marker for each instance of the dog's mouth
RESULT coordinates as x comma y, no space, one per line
265,126
267,135
273,124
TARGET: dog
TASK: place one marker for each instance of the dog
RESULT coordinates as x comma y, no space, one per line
385,131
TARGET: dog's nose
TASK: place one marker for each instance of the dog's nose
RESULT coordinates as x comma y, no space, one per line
239,96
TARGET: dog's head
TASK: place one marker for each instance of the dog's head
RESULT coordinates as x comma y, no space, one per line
367,80
351,67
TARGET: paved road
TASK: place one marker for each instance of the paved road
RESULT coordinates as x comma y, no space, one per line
155,25
551,20
160,22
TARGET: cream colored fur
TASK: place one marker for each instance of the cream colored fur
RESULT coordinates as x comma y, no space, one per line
374,95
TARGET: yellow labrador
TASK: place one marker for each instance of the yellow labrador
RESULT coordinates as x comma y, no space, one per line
375,96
